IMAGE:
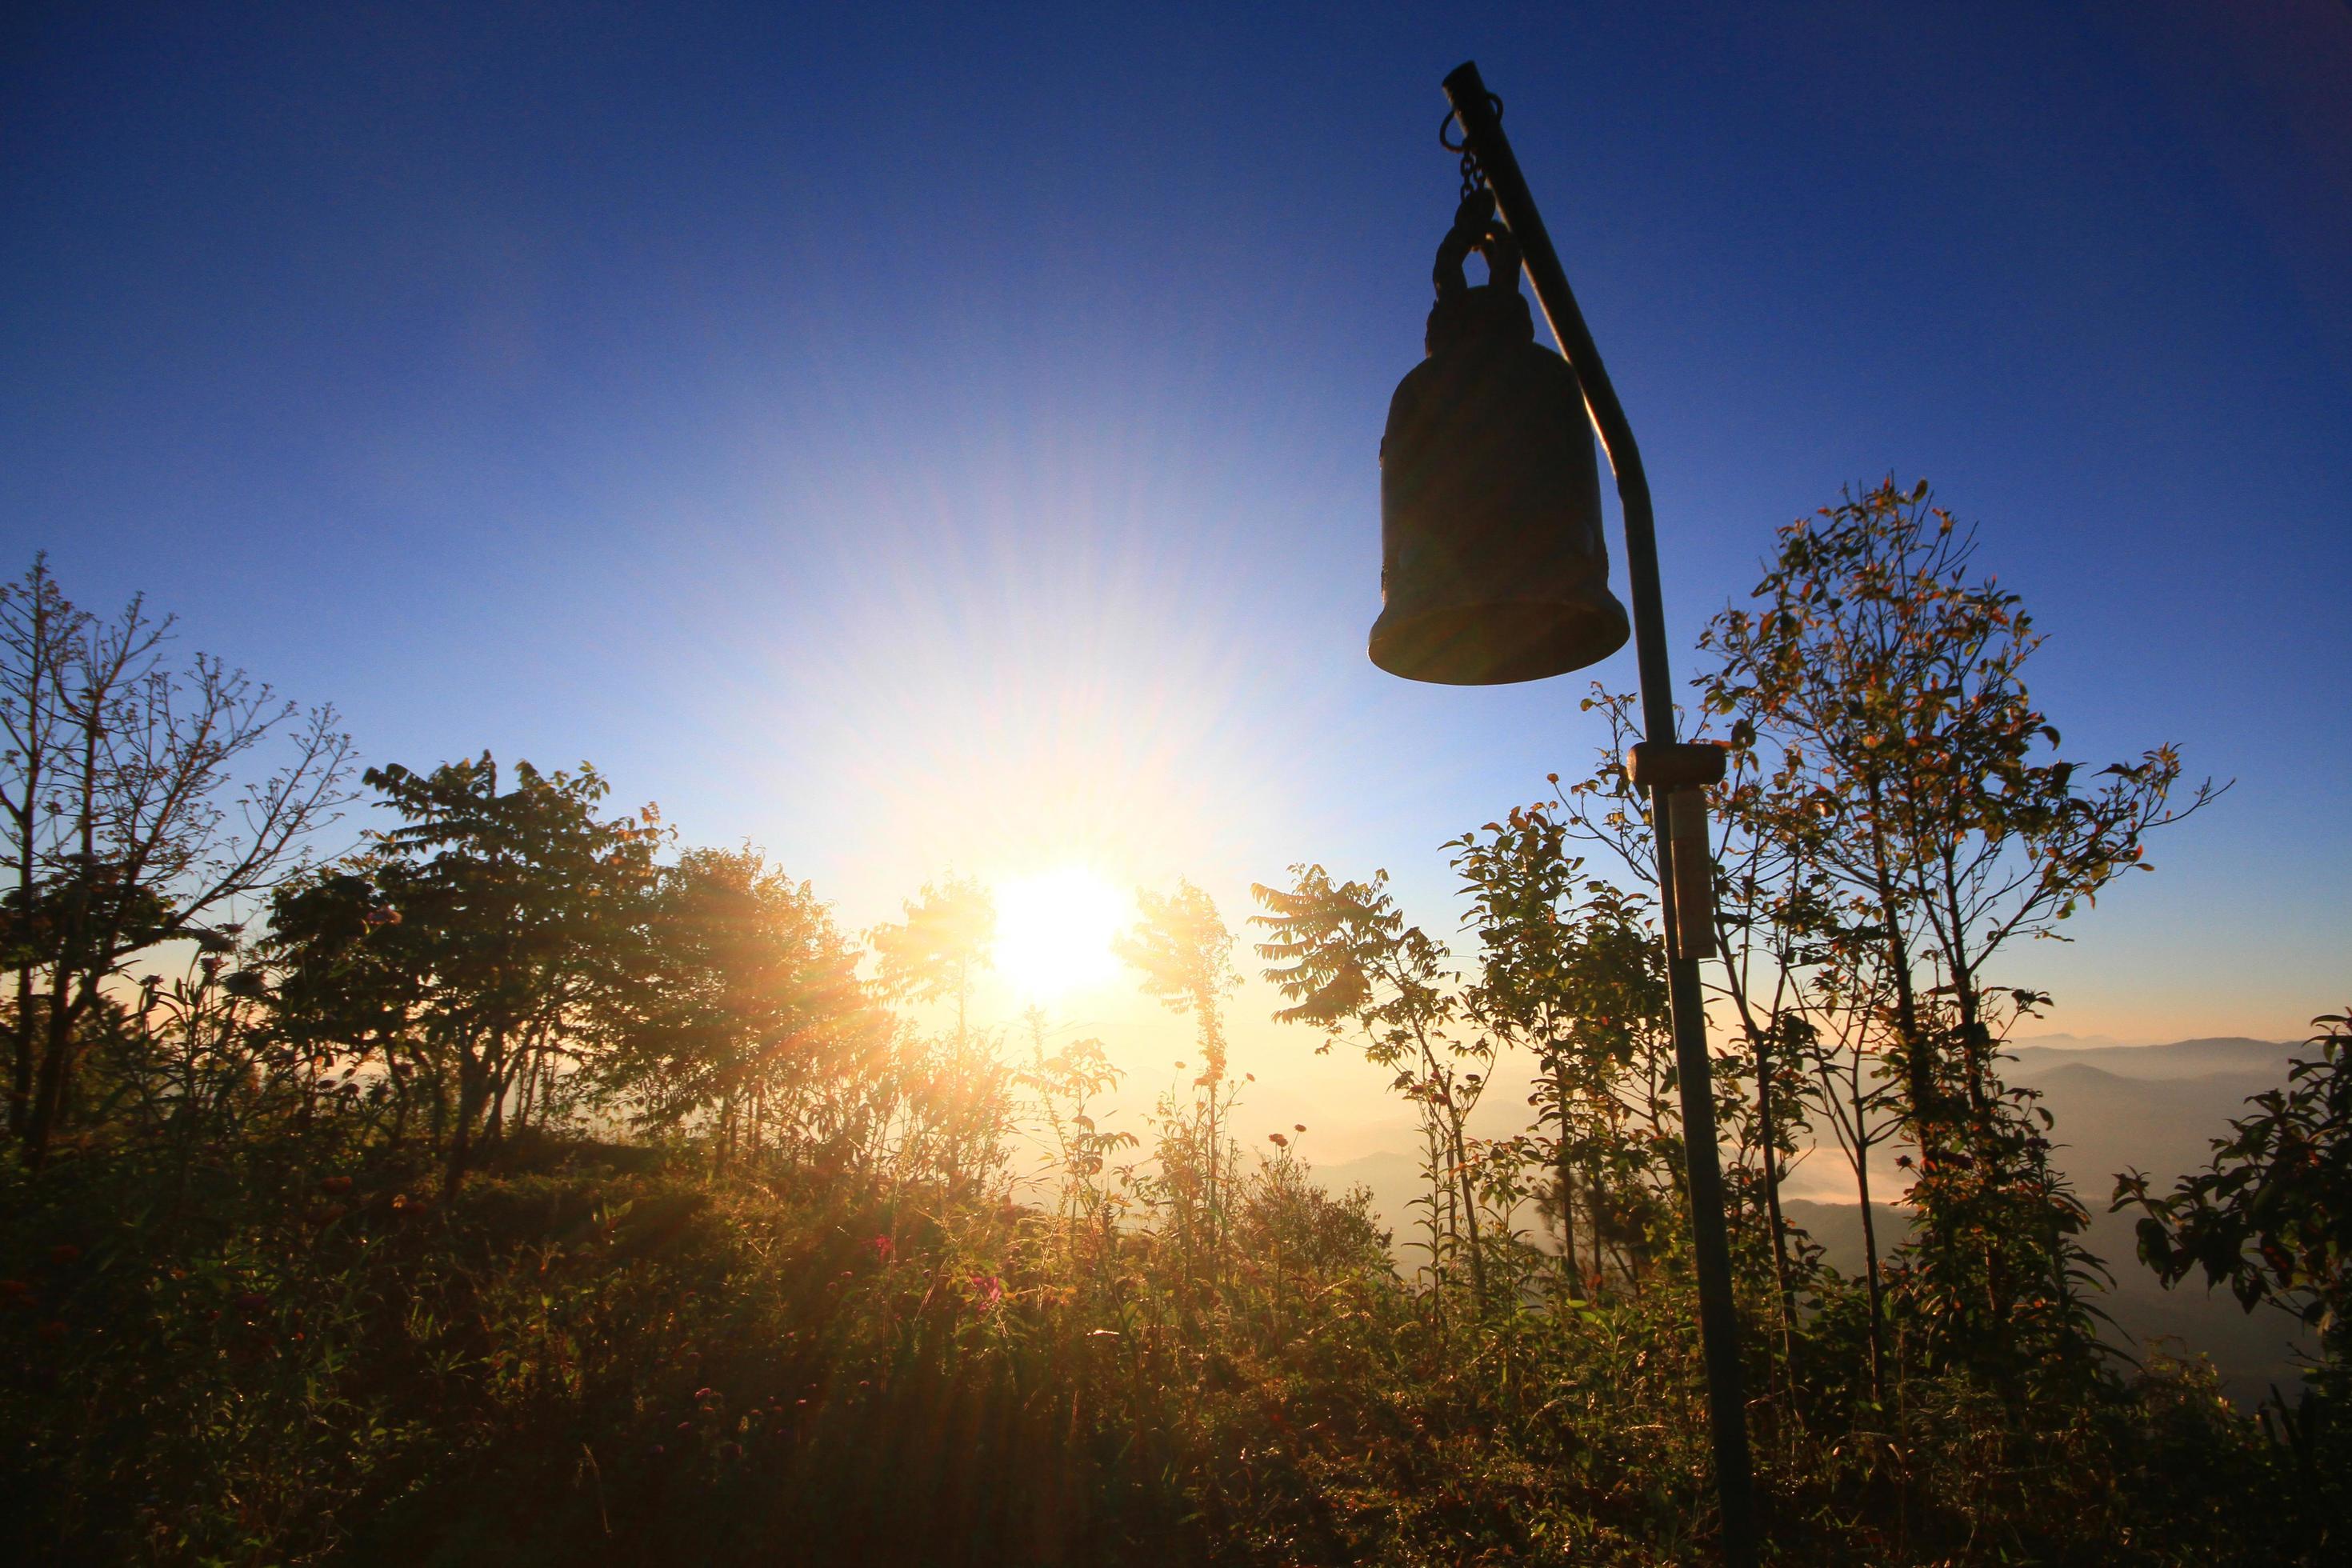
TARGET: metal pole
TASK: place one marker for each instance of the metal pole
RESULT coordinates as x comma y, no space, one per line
1481,132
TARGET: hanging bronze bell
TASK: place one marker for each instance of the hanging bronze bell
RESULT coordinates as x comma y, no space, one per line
1491,564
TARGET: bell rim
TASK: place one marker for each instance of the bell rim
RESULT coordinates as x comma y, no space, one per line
1499,642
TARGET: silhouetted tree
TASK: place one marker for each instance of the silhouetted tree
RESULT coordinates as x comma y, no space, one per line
1936,828
739,993
514,902
1571,970
1184,955
1342,954
131,811
941,948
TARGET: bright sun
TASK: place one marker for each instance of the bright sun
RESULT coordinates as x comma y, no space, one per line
1054,930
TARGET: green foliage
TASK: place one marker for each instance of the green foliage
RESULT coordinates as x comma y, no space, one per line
339,1262
2272,1217
740,998
1898,820
1344,957
940,947
595,1355
1182,955
2273,1214
1571,972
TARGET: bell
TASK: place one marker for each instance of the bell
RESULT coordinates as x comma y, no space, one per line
1492,564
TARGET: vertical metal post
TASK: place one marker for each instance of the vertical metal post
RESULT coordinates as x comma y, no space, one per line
1481,132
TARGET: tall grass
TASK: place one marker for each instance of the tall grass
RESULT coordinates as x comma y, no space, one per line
605,1354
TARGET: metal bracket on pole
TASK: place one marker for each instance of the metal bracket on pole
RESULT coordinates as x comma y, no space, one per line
1677,774
1684,868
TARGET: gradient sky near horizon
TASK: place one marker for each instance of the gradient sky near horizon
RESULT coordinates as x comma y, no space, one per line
916,439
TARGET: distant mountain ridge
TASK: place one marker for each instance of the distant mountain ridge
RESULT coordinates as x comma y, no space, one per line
2181,1058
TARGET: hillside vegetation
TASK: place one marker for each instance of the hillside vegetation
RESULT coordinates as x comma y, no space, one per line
527,1186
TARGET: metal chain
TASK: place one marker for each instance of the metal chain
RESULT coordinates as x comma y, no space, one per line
1473,179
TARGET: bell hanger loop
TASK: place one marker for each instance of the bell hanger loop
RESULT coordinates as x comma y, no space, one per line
1476,227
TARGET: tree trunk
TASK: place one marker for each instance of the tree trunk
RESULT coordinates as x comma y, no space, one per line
54,1076
1924,1098
1773,1205
461,1140
1869,1257
1564,1175
20,1079
1469,1209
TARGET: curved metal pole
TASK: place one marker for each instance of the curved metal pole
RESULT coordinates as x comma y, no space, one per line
1482,131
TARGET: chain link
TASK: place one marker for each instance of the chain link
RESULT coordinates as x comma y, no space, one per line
1472,178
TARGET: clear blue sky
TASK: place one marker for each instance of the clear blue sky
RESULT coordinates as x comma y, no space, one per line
905,436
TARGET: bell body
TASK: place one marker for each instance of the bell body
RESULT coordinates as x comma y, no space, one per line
1493,568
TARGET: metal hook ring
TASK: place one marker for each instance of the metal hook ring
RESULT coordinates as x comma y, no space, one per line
1493,102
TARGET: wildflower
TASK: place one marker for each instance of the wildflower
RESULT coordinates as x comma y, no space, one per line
1278,1139
14,1289
336,1184
1299,1127
61,1255
884,1248
987,1294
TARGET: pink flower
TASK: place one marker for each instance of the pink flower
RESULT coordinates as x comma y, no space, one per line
987,1294
884,1248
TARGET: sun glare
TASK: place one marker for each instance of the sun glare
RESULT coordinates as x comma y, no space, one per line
1054,930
